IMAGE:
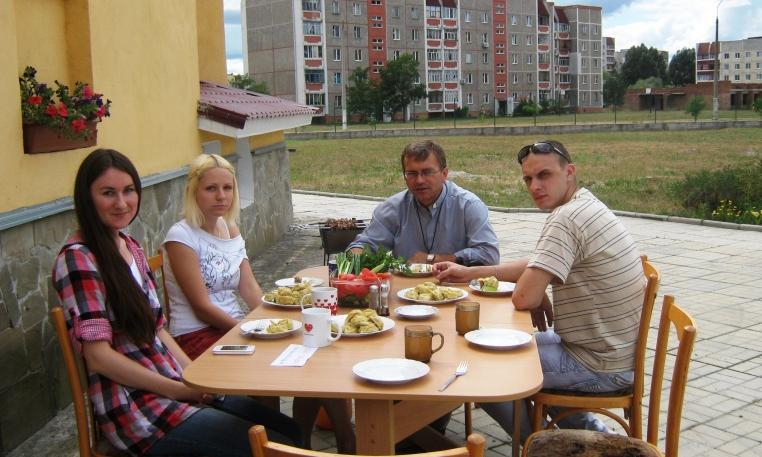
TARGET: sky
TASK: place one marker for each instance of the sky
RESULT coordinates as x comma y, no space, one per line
668,25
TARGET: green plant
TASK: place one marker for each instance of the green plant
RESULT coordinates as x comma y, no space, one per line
246,82
695,106
65,110
758,105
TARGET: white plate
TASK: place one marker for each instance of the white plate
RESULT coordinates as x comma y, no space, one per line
498,338
503,288
419,274
296,306
289,282
388,325
247,328
416,311
401,294
390,371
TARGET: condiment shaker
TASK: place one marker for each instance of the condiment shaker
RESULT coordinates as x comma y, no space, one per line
373,298
383,304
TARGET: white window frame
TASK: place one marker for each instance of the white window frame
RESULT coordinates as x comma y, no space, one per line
336,54
395,34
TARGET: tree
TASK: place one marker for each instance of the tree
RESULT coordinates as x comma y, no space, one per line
614,88
694,107
641,63
758,105
246,82
398,86
682,68
363,94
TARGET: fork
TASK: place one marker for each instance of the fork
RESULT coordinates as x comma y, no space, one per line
460,370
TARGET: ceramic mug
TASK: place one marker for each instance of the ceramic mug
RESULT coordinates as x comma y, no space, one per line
316,328
323,297
418,341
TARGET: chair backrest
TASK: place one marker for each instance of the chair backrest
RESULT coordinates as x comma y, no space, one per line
653,278
156,265
262,447
685,328
75,371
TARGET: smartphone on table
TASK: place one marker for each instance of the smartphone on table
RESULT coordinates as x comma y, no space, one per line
241,349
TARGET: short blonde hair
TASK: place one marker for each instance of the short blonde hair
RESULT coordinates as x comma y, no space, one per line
198,167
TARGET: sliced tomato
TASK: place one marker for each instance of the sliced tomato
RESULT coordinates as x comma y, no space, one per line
347,276
383,276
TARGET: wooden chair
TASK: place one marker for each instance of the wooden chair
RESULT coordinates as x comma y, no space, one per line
156,265
262,447
90,443
628,399
559,443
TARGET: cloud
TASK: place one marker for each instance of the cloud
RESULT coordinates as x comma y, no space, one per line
609,6
235,66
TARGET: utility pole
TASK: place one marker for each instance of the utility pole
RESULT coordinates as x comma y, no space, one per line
344,57
715,93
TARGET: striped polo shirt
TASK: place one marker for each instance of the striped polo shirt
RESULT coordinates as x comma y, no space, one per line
598,283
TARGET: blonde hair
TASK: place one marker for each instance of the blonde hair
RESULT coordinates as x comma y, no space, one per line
198,167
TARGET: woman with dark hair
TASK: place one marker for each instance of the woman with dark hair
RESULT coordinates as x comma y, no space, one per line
115,320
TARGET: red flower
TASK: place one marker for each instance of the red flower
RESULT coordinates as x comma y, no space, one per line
62,111
78,125
87,93
51,110
101,112
34,100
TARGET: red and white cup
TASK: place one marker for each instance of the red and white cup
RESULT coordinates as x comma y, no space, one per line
324,297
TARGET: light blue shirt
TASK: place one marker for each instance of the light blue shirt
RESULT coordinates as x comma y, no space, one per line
463,228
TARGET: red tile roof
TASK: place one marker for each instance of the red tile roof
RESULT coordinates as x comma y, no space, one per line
233,107
561,16
541,10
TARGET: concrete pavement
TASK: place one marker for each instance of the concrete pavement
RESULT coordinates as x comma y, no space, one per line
714,273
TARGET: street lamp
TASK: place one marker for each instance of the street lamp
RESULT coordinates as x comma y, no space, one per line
715,93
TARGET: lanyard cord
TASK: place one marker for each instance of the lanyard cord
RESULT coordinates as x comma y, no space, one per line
436,223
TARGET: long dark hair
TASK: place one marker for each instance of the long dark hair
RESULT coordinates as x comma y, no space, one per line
129,304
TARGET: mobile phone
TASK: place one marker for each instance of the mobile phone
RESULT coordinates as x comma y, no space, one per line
233,349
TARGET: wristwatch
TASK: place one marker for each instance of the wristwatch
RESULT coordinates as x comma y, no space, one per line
430,258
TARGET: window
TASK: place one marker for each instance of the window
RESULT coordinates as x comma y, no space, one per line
469,98
595,45
595,29
432,11
595,63
337,55
748,77
356,9
584,79
499,9
529,77
450,96
485,57
501,68
314,76
736,77
415,34
515,59
376,18
529,59
313,52
310,5
484,39
337,78
738,55
434,34
358,55
529,40
583,45
584,62
336,31
468,37
312,28
357,31
416,56
738,66
435,76
748,66
499,29
469,58
514,20
529,21
485,18
727,55
451,75
514,39
595,79
315,99
434,54
335,7
395,34
337,101
726,66
396,54
485,97
515,78
451,34
414,12
583,28
449,13
450,54
395,11
468,78
485,78
467,16
378,44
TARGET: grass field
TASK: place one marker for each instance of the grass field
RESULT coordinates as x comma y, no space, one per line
628,171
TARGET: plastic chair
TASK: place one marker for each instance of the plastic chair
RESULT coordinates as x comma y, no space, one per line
559,443
90,443
156,265
262,447
628,399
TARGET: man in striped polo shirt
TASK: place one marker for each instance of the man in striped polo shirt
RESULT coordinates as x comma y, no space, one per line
590,260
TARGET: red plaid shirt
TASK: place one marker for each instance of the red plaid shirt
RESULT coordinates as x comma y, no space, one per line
131,419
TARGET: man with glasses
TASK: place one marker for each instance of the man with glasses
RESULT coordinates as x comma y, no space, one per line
589,258
434,219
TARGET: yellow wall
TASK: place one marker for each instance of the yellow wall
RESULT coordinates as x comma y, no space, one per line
142,54
266,140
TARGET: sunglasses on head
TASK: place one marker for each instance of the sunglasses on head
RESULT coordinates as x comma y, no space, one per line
541,147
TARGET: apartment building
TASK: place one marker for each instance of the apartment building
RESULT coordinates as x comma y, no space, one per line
740,61
486,55
609,52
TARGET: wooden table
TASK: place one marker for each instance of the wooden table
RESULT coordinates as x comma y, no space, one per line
380,421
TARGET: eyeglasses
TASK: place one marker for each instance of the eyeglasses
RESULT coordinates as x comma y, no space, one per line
541,148
426,173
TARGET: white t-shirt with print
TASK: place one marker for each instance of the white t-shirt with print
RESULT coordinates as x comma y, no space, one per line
220,261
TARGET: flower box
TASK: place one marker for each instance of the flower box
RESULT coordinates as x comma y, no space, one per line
40,138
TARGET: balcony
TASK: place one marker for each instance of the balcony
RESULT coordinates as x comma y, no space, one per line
433,43
432,21
543,47
450,22
434,107
435,86
562,35
435,64
563,69
313,63
311,15
543,29
543,84
312,39
543,66
563,51
314,87
451,64
564,86
451,86
451,44
705,57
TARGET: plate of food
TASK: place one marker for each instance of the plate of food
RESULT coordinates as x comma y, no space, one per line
416,311
431,294
390,370
498,338
363,322
291,282
270,328
491,286
287,297
416,270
